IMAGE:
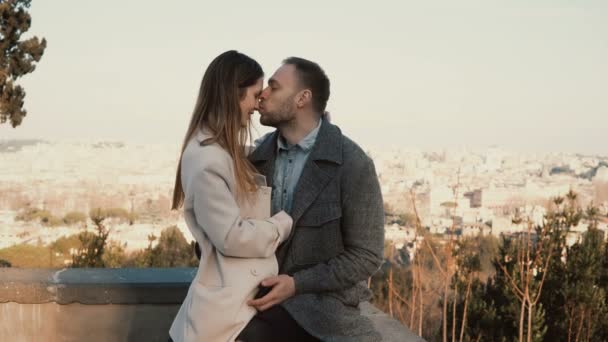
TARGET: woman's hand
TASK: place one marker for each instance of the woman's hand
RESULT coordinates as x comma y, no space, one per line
285,222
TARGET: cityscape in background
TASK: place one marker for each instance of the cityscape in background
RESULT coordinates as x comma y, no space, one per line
467,192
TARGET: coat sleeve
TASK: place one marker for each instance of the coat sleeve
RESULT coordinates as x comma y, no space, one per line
362,233
218,213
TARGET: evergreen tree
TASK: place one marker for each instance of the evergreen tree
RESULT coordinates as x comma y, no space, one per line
17,58
93,244
560,219
584,299
468,265
575,299
603,284
500,300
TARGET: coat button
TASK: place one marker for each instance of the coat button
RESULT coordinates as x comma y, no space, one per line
254,272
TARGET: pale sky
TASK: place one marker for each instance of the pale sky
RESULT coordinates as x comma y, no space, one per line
523,75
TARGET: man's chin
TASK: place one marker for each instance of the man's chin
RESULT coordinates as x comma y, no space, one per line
265,121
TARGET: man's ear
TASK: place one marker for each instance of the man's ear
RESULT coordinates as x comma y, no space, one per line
303,98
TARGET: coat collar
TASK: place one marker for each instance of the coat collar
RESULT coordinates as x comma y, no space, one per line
328,146
202,135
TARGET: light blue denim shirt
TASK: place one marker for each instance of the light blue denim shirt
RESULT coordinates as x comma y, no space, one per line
288,168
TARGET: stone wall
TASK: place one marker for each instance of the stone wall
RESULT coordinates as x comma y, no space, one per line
109,305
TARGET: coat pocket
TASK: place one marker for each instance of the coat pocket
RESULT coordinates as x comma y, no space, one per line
317,235
211,312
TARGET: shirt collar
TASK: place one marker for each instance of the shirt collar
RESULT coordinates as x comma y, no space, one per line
305,144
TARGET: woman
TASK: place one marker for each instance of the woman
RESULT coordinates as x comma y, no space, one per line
214,181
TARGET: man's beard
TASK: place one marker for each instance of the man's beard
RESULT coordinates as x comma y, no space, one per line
282,116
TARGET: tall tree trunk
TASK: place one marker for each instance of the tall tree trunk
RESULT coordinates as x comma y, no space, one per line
570,321
530,311
414,295
588,329
445,312
420,302
521,319
390,291
580,325
400,312
464,310
390,284
454,311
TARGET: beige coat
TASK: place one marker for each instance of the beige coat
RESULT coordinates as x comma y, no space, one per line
236,253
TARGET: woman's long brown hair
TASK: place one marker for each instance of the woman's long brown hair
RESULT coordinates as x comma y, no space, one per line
217,109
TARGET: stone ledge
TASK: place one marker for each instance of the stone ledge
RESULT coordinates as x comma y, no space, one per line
391,329
95,286
112,304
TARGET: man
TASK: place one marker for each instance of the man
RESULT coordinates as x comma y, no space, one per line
330,188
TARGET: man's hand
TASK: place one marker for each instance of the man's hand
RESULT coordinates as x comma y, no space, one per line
283,287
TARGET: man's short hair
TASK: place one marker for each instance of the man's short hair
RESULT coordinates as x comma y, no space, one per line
312,77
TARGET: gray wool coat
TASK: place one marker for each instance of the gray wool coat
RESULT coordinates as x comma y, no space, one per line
338,236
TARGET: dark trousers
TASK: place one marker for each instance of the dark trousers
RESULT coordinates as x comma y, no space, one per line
274,324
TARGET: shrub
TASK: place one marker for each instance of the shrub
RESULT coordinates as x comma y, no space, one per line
74,217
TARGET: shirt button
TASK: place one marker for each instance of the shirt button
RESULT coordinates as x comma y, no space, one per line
290,160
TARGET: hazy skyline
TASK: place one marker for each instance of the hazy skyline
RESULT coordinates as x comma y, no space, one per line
529,76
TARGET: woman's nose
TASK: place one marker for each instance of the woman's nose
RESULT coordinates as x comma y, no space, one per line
264,94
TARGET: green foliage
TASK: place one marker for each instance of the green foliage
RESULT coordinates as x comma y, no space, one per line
27,256
75,217
40,256
488,247
172,250
115,255
17,58
117,213
97,214
4,263
406,219
64,244
32,214
496,302
120,214
94,249
467,288
93,244
482,317
45,217
51,221
574,299
402,281
573,303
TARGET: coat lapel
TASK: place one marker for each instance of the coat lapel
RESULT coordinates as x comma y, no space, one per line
312,181
320,168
